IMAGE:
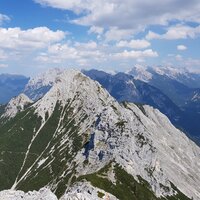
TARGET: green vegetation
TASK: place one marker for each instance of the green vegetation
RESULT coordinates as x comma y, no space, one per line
15,136
121,125
100,194
126,186
48,144
2,108
179,195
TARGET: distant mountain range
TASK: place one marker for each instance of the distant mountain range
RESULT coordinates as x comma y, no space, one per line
79,142
148,74
10,86
180,86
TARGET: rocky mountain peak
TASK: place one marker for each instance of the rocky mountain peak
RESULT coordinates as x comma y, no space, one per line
16,104
39,85
72,85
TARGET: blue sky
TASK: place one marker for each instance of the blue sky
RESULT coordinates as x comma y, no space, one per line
106,34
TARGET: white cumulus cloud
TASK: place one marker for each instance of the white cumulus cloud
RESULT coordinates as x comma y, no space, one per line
115,34
36,38
176,32
136,54
128,14
20,47
134,44
77,53
181,47
96,30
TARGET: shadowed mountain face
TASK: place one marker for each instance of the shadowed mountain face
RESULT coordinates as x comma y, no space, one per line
124,87
78,137
182,87
165,74
174,89
10,86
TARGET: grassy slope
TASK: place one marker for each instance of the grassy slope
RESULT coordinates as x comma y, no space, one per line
126,187
15,137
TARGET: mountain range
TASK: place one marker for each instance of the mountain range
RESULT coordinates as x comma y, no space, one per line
76,141
173,91
180,86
